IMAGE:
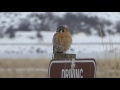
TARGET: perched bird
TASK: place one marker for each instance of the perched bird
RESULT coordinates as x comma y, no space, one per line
62,40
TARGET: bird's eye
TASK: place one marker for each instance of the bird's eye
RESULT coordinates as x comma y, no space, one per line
61,30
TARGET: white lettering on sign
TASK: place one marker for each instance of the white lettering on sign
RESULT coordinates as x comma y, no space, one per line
71,73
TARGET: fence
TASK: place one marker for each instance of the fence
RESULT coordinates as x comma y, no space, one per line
92,43
23,49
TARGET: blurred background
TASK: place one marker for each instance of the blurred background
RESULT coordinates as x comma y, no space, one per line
26,41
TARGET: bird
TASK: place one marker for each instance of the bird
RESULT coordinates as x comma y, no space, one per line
62,40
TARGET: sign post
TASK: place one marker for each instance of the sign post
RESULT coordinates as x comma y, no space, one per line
77,68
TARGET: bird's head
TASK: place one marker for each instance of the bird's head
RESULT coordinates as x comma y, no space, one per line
61,29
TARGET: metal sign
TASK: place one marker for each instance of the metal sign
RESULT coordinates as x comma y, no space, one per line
78,68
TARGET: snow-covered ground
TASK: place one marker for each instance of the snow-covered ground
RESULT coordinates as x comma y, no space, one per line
112,16
37,48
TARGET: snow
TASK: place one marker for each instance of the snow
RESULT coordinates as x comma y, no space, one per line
60,14
39,50
82,37
42,47
112,16
47,36
24,34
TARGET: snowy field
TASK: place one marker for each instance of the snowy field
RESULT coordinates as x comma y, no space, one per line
83,46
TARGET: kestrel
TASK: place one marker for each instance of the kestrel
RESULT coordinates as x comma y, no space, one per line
62,40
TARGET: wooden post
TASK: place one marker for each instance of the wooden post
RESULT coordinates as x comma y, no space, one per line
64,56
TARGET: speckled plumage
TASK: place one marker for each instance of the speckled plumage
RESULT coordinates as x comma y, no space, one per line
61,40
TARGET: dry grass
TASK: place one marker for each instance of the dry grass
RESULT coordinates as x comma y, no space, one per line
105,68
24,63
108,69
12,64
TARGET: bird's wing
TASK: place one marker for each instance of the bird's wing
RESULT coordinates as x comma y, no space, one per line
54,39
56,42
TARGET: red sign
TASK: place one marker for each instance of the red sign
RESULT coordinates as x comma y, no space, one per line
79,68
